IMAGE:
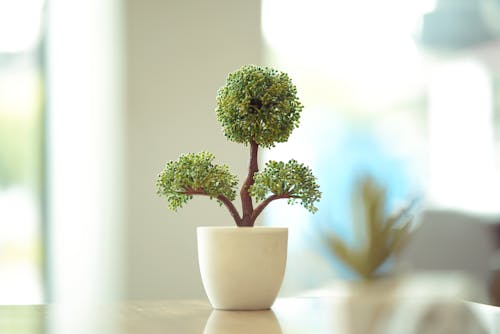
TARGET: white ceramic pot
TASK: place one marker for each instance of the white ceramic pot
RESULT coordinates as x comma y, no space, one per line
242,267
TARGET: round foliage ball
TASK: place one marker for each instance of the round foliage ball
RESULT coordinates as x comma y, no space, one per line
258,104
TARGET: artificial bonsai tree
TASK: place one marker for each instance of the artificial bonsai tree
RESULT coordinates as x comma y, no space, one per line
258,107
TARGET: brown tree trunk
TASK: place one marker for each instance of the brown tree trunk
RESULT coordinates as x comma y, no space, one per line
246,199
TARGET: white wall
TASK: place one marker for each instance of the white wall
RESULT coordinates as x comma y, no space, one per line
179,53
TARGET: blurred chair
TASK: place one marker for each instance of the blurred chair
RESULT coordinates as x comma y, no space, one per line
453,241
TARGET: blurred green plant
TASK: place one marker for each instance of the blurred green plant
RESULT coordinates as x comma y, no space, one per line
19,149
258,106
379,236
21,125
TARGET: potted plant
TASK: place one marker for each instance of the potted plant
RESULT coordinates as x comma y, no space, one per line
380,236
242,267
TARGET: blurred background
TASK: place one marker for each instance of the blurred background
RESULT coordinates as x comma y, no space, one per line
96,96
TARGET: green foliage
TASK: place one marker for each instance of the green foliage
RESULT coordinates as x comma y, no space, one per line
259,104
195,174
383,237
256,106
291,180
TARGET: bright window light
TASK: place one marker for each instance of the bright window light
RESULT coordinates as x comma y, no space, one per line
84,152
21,252
462,161
20,22
364,45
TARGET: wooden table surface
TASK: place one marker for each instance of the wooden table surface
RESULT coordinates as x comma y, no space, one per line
288,315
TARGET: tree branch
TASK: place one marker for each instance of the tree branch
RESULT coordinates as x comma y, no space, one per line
265,203
232,210
246,199
224,200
